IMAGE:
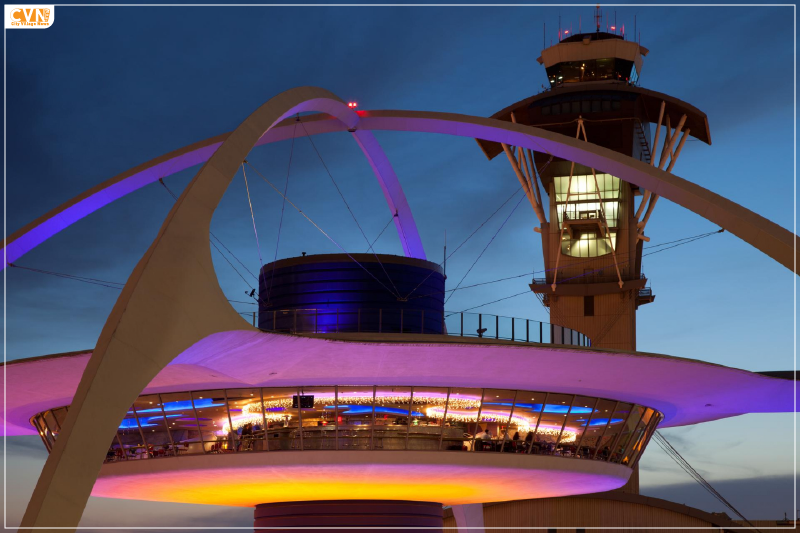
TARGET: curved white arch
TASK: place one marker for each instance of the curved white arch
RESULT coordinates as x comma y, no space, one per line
775,241
171,301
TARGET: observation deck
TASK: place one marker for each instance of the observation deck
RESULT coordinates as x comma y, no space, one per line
424,437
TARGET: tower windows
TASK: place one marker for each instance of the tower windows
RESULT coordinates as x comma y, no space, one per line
586,205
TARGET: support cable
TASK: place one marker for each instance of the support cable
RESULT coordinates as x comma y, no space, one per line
92,281
231,264
485,248
381,233
283,207
341,195
219,241
492,302
465,240
684,464
252,216
691,239
232,255
686,239
319,228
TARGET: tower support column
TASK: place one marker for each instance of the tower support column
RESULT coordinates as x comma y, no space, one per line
469,516
378,514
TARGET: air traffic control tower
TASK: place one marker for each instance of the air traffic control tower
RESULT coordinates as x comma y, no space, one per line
591,223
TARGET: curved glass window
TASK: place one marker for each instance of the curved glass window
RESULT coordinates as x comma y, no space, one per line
592,70
380,417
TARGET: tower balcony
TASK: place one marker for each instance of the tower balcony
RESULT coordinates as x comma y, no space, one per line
592,285
583,222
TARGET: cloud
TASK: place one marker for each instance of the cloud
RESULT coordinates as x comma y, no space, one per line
758,498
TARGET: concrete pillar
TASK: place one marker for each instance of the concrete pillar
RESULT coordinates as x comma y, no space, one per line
401,516
469,516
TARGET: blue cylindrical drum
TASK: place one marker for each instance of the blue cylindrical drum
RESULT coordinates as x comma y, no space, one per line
366,293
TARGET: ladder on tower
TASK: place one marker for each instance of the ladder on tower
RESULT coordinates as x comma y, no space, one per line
637,126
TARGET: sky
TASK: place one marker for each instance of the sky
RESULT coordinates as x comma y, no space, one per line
107,88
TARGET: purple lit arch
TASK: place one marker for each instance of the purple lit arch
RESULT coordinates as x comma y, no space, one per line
775,241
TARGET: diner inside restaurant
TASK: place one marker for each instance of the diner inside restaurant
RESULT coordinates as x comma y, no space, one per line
375,418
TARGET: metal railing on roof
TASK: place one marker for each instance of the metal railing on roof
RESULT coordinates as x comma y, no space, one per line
415,321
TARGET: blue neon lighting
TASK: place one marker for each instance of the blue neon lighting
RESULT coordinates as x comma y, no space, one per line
367,409
549,408
145,422
181,406
599,421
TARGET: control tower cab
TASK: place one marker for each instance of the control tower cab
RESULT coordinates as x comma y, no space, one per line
599,56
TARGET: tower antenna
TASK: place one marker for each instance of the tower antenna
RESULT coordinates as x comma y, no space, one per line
597,17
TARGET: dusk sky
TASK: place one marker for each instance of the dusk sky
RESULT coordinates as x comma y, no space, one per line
107,88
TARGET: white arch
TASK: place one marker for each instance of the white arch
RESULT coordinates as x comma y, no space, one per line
171,301
775,241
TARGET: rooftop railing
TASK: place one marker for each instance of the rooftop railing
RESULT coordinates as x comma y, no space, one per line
587,277
416,321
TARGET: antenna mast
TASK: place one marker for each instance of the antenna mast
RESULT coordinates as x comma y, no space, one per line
597,17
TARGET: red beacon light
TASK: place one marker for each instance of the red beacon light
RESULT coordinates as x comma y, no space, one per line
352,105
613,28
566,32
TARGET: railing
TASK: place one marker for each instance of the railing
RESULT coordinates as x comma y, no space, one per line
587,277
590,215
512,329
417,321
